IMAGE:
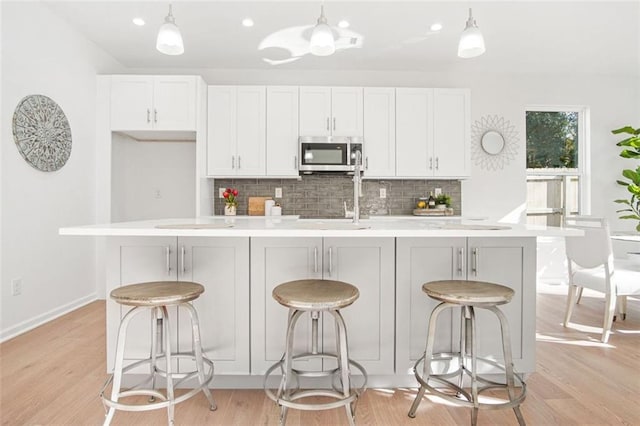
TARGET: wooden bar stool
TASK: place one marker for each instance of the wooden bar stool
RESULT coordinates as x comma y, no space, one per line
314,296
157,296
468,295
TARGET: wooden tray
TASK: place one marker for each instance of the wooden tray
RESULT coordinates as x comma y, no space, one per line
256,206
433,212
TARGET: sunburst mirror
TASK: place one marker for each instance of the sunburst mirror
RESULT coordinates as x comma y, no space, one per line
494,142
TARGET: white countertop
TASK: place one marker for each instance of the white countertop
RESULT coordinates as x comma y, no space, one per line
291,226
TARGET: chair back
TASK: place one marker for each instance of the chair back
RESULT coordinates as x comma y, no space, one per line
594,247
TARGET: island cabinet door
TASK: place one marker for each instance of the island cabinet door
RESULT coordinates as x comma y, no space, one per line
418,261
510,262
368,264
273,262
221,265
134,260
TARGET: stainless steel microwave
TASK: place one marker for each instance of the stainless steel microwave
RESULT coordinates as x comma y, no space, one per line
328,153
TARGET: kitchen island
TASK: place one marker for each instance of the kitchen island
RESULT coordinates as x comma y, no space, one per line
240,259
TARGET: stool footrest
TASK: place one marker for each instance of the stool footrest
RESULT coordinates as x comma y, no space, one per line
468,399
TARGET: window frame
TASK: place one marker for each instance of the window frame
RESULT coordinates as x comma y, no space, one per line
583,170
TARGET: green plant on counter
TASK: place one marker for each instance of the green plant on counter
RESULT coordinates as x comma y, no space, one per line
443,199
632,183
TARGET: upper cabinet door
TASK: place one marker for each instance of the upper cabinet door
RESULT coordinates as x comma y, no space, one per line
282,131
250,130
315,111
451,132
379,131
174,103
414,132
131,102
346,108
221,130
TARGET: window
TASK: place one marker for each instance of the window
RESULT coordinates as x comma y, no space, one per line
557,164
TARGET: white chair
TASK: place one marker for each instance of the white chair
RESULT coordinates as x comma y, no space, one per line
591,264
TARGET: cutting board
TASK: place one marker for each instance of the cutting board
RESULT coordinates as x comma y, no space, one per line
256,206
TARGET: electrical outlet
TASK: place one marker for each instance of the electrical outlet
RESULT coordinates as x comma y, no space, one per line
16,287
383,192
278,193
438,191
221,192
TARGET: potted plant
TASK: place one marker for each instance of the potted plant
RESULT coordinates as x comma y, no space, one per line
632,151
443,201
230,201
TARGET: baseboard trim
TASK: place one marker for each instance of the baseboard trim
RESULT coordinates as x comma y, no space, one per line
44,318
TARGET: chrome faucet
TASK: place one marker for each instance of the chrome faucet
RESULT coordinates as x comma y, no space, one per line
357,187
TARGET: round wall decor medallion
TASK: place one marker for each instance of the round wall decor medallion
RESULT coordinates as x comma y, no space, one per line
41,132
494,142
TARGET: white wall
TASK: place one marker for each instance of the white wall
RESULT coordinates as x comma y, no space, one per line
42,55
152,180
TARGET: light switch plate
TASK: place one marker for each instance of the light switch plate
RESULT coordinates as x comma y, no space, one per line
437,191
383,192
278,193
220,192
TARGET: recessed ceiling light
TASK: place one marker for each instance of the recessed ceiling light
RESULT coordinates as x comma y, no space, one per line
436,27
247,22
343,24
138,21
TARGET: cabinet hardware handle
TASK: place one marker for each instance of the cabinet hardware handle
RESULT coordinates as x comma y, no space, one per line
155,115
148,115
239,159
182,250
437,163
430,163
366,163
315,259
334,123
460,260
167,252
474,264
328,123
330,260
295,162
233,162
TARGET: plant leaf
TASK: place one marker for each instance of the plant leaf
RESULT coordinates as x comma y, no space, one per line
630,216
622,202
626,129
638,228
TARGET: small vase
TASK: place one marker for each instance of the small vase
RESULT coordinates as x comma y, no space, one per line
229,210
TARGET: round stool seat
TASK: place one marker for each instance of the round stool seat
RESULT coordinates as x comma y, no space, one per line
315,295
157,293
473,293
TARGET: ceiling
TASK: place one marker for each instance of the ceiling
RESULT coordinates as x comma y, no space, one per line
521,36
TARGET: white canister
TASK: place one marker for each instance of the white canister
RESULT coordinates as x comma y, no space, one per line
268,205
276,211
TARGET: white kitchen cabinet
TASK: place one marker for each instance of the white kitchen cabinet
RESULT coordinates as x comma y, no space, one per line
366,263
273,262
451,132
144,103
282,131
379,131
420,260
236,131
506,261
432,133
414,132
327,111
220,264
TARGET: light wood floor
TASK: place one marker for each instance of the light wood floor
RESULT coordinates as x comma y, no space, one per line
52,375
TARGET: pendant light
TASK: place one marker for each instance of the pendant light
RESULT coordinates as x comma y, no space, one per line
169,39
322,42
471,41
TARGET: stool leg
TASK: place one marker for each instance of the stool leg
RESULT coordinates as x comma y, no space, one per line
343,362
156,342
508,360
471,316
197,351
167,351
463,346
428,353
117,369
283,391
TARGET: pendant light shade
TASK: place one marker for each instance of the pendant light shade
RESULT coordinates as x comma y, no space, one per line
471,41
169,39
322,42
